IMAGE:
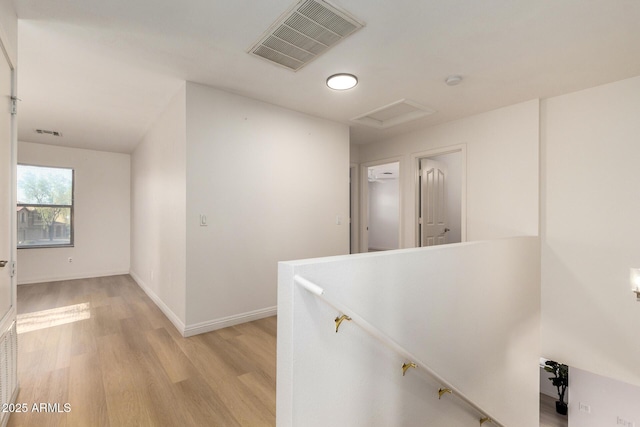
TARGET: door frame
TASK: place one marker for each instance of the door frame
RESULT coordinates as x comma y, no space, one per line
434,152
364,200
8,317
354,209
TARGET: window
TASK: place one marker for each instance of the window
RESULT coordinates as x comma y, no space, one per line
45,206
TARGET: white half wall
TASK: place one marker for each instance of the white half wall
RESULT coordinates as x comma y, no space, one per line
158,206
502,169
470,311
590,153
273,185
101,216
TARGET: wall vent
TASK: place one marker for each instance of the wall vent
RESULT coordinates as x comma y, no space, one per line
303,33
48,132
8,371
394,114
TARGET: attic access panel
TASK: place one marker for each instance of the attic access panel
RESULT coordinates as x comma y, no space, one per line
303,33
393,114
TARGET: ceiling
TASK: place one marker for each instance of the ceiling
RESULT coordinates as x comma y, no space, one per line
100,72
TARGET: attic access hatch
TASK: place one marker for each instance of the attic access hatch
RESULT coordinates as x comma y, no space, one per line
393,114
303,33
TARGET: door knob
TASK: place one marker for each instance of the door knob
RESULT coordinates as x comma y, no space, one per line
3,263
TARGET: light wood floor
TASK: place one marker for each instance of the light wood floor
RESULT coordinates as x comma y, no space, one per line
548,415
126,365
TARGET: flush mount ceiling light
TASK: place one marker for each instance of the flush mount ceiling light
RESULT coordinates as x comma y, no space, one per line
453,80
342,81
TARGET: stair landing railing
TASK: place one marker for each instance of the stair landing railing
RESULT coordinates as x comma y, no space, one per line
412,362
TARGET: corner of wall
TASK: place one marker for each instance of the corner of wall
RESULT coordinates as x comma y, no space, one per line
161,305
225,322
590,150
248,173
158,206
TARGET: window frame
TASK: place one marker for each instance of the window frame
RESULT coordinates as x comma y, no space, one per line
70,207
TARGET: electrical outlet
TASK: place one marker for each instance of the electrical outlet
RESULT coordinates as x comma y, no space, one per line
584,408
70,259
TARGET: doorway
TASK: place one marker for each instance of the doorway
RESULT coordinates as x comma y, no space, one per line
440,197
382,207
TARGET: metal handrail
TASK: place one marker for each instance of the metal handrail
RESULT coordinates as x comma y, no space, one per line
414,362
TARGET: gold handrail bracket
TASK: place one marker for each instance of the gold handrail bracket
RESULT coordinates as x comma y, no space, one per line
406,366
340,319
442,391
316,290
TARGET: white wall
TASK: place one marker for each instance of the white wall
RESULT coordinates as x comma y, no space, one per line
470,311
354,153
502,169
158,206
101,216
384,211
604,401
271,183
9,30
590,230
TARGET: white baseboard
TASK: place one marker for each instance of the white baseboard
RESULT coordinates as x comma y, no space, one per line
224,322
173,318
379,249
48,279
203,327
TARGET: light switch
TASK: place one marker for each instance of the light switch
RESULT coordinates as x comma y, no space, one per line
203,220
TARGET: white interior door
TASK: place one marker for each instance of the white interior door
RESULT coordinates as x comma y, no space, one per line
433,207
6,169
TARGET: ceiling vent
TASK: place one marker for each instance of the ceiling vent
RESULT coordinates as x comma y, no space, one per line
48,132
393,114
303,33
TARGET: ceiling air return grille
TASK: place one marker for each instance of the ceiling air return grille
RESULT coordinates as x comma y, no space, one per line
303,33
48,132
393,114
